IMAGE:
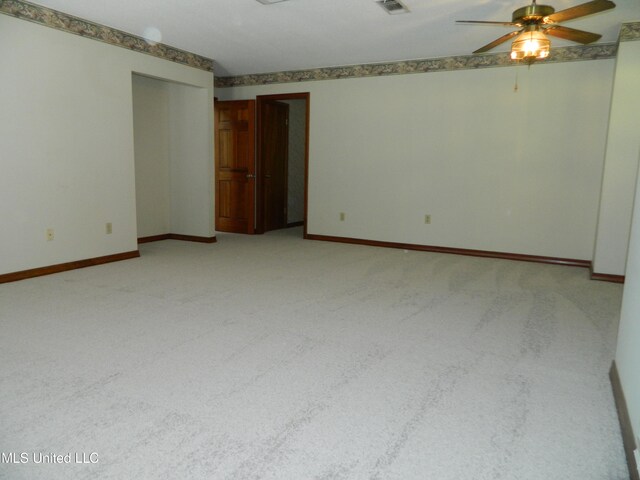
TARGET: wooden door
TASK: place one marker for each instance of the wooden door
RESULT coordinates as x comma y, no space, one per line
274,148
235,165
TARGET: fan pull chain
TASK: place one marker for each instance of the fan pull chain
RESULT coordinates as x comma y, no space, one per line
515,87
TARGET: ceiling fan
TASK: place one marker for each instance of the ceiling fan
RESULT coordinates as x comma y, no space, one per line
538,21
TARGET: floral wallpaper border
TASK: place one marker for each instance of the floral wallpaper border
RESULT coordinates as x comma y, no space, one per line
444,64
78,26
630,32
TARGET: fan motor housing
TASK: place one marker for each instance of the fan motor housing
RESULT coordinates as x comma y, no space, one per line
532,13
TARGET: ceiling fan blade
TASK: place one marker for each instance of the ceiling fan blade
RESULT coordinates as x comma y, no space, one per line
572,34
483,22
497,42
579,11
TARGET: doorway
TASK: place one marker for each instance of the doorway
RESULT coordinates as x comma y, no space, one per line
172,141
275,185
273,158
282,160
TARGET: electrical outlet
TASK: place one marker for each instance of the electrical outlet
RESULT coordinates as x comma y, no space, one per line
109,228
342,216
49,234
427,219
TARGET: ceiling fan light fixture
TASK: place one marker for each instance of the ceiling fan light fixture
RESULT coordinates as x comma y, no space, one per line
530,46
535,22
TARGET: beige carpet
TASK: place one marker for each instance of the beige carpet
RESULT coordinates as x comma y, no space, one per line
272,357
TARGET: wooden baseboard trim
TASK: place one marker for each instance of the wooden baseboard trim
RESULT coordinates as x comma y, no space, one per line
625,421
456,251
192,238
153,238
176,236
295,224
605,277
63,267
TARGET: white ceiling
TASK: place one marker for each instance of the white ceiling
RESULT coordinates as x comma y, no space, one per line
244,36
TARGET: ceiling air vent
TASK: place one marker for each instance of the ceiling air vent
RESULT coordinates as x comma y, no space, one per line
393,7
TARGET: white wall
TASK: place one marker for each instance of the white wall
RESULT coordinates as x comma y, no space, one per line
67,144
618,187
628,352
151,140
496,169
621,163
169,159
191,161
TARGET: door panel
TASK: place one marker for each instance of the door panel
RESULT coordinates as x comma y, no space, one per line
274,144
235,165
